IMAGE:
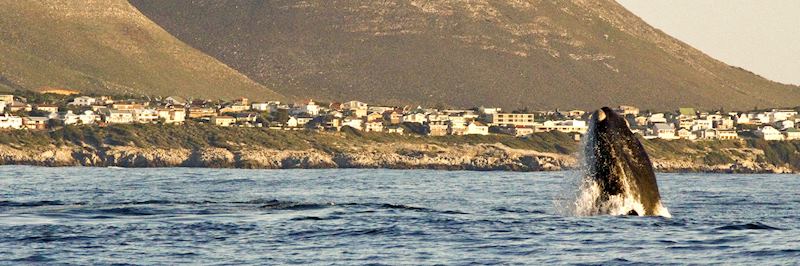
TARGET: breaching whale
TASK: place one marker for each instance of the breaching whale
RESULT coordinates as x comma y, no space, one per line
619,169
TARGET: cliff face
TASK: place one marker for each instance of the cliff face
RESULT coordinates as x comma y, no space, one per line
481,157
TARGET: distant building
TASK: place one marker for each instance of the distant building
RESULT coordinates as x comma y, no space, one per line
769,133
113,116
566,126
437,128
512,120
46,108
35,122
10,121
373,126
476,128
664,131
223,121
791,134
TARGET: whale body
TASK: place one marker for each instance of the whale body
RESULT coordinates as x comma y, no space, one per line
619,169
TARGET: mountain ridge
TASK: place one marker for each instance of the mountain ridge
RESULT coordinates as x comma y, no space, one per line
519,53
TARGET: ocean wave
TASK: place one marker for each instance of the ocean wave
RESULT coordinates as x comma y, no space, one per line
748,226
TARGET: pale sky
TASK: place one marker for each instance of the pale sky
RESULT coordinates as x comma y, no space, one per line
762,36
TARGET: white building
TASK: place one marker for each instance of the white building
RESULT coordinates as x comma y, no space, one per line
701,124
145,115
791,134
85,118
769,133
10,121
172,115
512,120
414,118
476,128
664,131
309,107
353,122
657,119
83,101
113,116
566,126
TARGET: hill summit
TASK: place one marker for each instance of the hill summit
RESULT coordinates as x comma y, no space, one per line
106,47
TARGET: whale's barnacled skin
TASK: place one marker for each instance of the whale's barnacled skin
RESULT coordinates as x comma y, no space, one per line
618,163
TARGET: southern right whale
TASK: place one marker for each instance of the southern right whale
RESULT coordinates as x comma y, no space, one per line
619,170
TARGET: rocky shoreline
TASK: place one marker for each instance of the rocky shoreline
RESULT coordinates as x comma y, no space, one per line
477,157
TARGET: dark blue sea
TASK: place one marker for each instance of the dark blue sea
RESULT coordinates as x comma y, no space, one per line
417,217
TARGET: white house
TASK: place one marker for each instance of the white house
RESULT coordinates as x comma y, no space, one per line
701,124
10,121
476,128
769,133
2,106
308,107
145,115
656,119
172,115
85,118
566,126
354,105
353,122
263,107
373,126
414,118
784,124
791,134
664,131
83,101
684,133
113,116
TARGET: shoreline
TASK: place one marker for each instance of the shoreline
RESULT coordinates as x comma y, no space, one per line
484,157
196,145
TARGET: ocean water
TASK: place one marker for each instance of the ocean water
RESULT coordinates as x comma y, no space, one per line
418,217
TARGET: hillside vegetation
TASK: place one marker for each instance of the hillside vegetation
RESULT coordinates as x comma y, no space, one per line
519,53
106,47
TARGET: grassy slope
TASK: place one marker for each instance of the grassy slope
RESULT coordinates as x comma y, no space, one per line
462,53
106,46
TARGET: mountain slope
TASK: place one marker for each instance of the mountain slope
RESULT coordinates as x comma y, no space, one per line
106,46
513,53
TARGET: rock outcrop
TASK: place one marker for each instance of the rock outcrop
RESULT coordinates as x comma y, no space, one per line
480,157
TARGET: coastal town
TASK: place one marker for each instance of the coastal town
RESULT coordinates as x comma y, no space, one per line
70,109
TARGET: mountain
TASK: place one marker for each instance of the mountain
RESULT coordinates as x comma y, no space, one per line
511,53
106,46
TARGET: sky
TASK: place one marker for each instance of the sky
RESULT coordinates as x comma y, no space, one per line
762,36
